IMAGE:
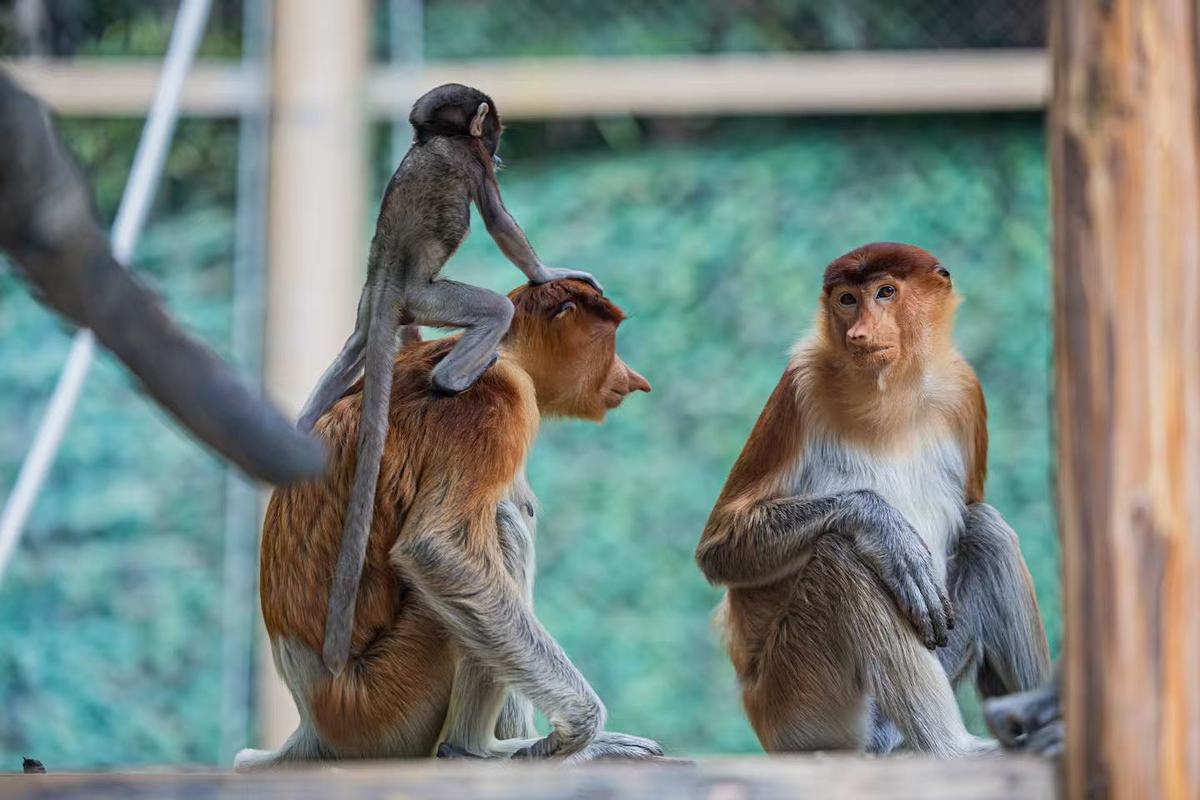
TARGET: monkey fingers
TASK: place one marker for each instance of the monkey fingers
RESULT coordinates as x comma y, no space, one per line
450,751
912,582
550,274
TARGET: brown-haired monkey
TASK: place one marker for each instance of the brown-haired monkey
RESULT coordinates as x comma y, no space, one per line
865,573
446,647
424,216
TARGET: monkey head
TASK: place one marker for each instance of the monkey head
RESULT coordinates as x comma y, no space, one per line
454,110
564,335
886,304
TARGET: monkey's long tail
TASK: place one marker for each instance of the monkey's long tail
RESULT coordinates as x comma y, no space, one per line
48,225
372,433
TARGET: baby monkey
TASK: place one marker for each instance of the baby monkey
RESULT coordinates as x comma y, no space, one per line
424,216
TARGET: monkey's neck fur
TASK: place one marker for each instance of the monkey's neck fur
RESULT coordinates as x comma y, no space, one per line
880,405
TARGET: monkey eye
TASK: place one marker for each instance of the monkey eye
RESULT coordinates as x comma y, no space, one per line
847,299
886,291
945,273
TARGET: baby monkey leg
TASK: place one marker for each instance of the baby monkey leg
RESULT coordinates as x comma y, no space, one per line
484,317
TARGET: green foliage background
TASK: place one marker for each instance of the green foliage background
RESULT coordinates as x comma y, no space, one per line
711,234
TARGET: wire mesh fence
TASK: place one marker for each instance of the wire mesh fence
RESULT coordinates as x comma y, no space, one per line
510,28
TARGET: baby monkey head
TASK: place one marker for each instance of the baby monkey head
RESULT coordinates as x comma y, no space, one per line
886,304
454,110
564,335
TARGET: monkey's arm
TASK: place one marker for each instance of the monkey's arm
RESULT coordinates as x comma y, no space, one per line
766,542
753,538
480,604
512,242
48,226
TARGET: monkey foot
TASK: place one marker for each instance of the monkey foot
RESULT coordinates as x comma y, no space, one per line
613,746
449,386
453,751
1029,721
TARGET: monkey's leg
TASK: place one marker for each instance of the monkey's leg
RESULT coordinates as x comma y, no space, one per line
483,608
840,643
484,316
483,710
342,372
999,638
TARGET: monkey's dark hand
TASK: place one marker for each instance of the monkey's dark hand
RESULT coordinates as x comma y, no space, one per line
1029,721
452,751
549,274
898,555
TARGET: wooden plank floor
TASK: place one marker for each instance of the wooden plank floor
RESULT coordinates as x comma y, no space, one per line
750,778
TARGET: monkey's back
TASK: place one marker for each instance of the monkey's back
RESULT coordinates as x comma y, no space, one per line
428,200
465,450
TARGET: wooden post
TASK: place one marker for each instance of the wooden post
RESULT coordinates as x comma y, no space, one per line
1126,185
317,244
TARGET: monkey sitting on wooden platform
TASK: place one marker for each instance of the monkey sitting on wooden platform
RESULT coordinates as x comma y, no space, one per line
856,502
445,646
424,217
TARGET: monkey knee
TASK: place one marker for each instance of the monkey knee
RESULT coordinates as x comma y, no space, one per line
502,311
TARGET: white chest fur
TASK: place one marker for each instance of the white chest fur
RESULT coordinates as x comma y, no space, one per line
923,482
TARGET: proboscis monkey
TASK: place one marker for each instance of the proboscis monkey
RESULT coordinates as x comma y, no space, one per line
865,573
446,647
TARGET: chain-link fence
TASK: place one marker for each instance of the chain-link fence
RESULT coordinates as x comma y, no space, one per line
506,28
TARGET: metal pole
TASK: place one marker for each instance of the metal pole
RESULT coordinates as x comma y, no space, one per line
241,495
131,217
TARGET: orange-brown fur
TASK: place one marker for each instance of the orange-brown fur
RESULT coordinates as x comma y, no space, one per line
447,463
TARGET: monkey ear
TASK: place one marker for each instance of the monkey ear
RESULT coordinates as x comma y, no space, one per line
477,122
563,310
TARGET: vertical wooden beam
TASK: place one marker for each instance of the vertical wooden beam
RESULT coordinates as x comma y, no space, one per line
1126,188
316,210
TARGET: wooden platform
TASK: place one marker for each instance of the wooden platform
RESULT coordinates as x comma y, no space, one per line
751,778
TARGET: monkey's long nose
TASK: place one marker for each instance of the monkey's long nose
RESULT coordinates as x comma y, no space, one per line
636,382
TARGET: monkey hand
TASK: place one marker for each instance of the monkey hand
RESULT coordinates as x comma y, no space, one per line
549,274
898,555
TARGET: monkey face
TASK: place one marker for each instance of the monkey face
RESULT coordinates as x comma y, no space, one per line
884,302
564,334
866,321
